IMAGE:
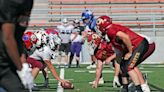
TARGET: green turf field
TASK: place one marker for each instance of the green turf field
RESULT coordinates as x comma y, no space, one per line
82,76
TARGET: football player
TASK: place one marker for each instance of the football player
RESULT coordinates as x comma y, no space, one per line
104,54
131,49
43,52
90,22
76,42
29,40
65,30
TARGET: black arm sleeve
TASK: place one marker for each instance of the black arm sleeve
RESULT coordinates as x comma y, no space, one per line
9,10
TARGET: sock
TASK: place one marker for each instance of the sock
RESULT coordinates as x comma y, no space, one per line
138,88
71,58
92,63
77,64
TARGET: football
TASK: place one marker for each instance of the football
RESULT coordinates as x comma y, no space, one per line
67,85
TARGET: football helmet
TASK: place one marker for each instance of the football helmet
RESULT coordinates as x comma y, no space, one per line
29,39
64,22
52,31
87,14
76,23
54,39
94,40
42,38
103,22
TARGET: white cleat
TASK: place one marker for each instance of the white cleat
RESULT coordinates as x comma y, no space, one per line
101,81
145,88
91,66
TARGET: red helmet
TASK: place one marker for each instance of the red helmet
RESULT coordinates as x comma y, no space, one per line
94,38
29,38
52,31
103,22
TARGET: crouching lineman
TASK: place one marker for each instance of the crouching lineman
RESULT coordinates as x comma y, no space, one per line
104,55
131,49
43,52
29,39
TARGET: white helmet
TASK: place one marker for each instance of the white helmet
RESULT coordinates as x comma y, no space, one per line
65,20
42,38
45,37
54,41
57,40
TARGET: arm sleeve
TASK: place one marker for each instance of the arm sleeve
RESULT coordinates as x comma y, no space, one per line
9,10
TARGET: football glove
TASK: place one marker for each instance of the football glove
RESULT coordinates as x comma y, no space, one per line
116,82
26,76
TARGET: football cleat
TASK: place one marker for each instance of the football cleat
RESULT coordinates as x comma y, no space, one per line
101,81
91,66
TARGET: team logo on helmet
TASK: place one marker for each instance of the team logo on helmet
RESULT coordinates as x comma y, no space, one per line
100,21
103,23
25,38
33,38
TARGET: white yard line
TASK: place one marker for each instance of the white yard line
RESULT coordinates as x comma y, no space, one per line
104,71
109,71
59,88
80,71
56,80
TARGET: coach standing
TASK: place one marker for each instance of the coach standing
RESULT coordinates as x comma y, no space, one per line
14,16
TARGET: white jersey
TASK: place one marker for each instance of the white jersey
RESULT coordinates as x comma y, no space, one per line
65,32
78,38
44,53
66,29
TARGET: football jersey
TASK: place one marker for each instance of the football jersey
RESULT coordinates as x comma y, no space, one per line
92,25
44,53
104,51
65,32
134,37
78,37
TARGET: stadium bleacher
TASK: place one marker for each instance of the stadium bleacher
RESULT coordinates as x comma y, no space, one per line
142,15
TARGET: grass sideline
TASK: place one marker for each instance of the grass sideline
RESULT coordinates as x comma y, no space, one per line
81,78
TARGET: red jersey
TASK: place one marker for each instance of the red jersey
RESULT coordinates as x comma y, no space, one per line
134,37
104,51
